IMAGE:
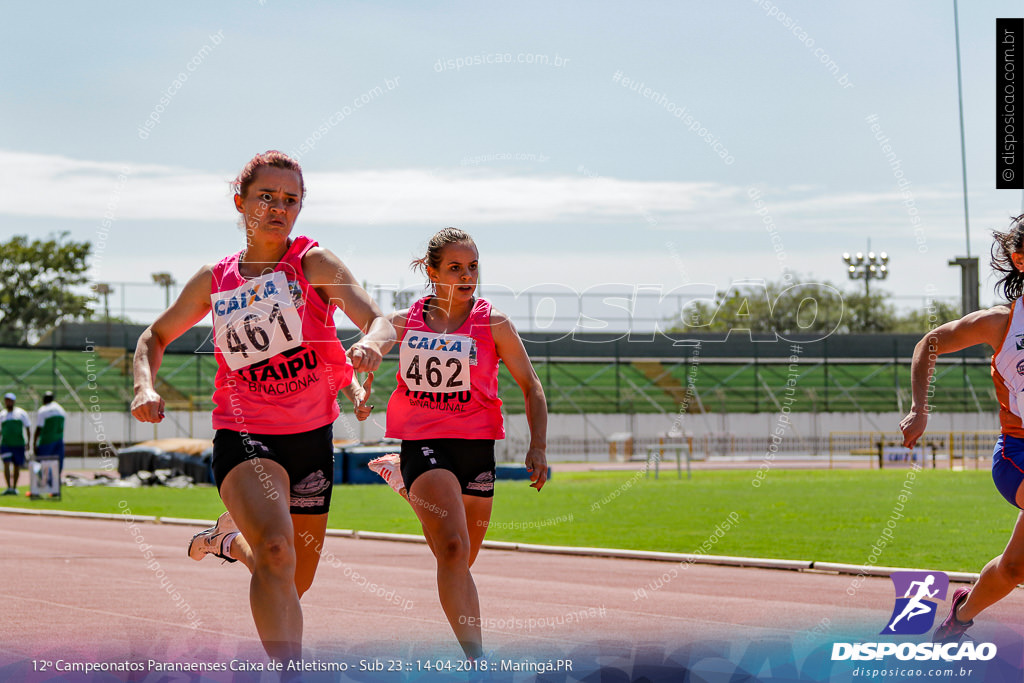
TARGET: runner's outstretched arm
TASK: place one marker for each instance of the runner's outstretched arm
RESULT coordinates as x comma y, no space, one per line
335,281
191,306
979,327
512,352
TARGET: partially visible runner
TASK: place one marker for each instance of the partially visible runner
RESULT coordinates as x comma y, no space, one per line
1002,328
447,413
15,426
48,440
280,367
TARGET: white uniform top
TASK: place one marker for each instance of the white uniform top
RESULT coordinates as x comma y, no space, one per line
12,437
50,423
49,410
1008,374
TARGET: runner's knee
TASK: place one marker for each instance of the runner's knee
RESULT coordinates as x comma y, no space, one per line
1012,568
452,549
275,553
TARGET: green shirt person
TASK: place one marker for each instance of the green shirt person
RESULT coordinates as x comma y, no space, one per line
49,437
14,430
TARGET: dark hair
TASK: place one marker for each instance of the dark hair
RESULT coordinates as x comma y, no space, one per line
269,158
440,240
1006,244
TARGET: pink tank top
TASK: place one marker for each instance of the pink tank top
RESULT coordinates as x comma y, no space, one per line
434,398
293,390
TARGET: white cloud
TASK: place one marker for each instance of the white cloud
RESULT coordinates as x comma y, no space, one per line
702,232
60,187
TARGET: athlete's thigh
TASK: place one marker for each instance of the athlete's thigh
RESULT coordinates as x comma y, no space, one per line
436,497
258,516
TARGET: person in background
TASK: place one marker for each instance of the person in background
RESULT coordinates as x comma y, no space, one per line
14,430
48,440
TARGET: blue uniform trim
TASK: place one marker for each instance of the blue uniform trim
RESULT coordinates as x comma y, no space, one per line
1008,466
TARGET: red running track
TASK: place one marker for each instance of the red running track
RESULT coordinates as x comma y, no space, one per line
86,589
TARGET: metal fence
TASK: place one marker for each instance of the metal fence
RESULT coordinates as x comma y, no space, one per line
101,377
966,450
548,307
701,447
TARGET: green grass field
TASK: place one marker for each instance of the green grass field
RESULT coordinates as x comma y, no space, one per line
952,521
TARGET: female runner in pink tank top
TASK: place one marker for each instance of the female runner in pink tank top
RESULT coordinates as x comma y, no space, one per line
447,412
280,368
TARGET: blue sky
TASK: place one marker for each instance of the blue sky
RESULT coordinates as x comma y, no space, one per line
562,174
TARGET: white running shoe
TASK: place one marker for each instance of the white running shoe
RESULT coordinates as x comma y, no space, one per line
210,541
387,466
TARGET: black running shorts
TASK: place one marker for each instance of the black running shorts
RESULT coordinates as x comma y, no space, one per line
307,457
470,460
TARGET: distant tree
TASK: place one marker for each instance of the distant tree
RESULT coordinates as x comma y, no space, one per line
928,318
781,307
36,281
789,307
868,313
97,316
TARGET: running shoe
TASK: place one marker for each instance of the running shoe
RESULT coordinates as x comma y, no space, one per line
210,541
952,629
387,466
11,492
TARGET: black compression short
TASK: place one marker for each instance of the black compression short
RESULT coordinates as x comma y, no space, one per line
470,460
307,457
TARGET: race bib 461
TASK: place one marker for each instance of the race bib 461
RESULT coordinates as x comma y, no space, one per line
256,321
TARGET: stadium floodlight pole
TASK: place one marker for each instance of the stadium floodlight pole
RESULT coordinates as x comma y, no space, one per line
867,267
969,299
963,145
165,280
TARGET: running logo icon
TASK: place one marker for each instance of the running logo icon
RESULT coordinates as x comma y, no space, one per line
917,598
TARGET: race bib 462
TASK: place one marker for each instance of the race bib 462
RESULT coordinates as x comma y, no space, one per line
435,363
